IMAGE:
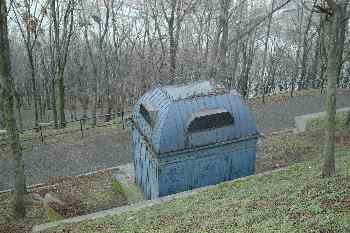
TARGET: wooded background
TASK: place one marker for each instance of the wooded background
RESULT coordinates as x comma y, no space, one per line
79,58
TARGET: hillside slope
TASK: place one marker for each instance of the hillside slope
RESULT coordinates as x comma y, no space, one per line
295,200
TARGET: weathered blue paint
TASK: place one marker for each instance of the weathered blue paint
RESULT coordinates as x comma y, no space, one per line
168,159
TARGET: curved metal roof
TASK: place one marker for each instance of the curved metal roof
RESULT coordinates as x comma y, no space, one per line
173,107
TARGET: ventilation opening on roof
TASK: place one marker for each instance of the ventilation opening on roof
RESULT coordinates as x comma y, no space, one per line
210,119
148,113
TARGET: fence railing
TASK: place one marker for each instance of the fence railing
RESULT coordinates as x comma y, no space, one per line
46,130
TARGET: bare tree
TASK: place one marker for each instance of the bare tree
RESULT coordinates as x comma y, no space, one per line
61,45
266,46
7,96
102,33
299,41
316,61
246,44
337,13
29,22
304,60
220,45
174,15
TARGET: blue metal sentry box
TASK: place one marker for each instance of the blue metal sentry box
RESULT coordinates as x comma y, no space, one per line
189,136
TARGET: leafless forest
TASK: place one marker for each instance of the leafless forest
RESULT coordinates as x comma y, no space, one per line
74,58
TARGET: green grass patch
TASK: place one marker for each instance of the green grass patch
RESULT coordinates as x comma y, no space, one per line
117,187
342,152
294,200
341,122
133,193
287,149
53,215
129,190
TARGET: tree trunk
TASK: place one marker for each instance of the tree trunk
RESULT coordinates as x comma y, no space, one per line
174,27
41,107
35,94
224,17
109,98
172,48
248,52
333,70
2,125
304,61
61,101
266,46
297,58
232,82
19,112
95,73
214,52
51,83
53,102
95,102
47,92
62,49
313,74
8,90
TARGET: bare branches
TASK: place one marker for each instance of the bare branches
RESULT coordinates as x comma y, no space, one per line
132,45
259,21
331,4
32,23
324,10
106,21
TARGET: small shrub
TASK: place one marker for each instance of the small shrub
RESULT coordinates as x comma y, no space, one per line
315,209
117,187
53,215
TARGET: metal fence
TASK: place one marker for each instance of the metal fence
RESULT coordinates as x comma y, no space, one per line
47,130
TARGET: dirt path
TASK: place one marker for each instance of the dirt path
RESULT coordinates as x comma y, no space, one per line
64,159
279,116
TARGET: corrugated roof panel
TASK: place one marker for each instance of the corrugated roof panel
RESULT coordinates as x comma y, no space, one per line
185,91
170,131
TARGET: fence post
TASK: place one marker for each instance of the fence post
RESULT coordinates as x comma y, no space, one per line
81,128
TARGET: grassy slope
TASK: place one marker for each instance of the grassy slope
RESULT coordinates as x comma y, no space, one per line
341,121
295,200
94,192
